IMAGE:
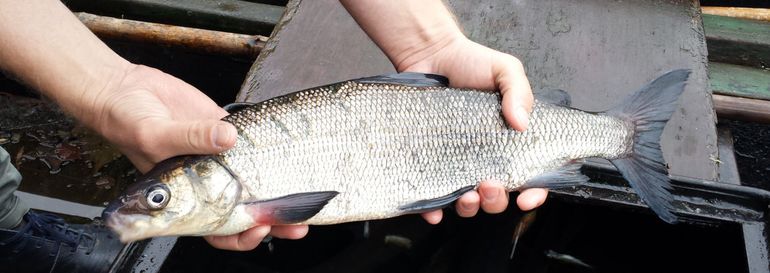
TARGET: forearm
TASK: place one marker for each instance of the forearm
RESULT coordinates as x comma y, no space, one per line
44,45
407,31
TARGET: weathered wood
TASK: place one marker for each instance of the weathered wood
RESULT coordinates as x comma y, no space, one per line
742,108
225,15
193,39
739,81
599,58
315,43
738,41
739,12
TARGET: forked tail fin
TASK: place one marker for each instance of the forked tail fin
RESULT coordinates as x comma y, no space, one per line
649,109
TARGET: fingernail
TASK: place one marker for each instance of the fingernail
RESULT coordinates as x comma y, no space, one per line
491,196
522,117
464,206
222,135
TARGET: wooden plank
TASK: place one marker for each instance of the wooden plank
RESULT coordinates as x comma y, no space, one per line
742,108
192,39
738,41
598,62
740,81
739,12
225,15
315,43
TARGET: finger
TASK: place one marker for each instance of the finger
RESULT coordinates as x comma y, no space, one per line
517,94
468,204
243,241
531,198
433,217
494,197
289,232
193,137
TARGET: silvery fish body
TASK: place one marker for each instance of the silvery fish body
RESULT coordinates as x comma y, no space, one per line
384,146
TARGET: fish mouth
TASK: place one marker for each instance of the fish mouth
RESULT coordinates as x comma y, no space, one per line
130,227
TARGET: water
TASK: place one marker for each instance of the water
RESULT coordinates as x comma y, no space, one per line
606,239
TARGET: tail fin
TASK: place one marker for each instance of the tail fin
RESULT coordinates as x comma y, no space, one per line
649,109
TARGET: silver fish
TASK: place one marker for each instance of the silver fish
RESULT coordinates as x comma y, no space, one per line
390,145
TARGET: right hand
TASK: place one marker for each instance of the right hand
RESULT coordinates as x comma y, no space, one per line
471,65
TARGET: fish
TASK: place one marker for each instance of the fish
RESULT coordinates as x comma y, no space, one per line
384,146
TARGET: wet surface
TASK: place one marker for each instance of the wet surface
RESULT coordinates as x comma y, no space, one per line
752,152
56,156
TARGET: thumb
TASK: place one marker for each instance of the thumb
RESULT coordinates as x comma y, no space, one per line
196,137
517,93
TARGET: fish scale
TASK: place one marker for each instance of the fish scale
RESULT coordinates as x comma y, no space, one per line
420,143
388,145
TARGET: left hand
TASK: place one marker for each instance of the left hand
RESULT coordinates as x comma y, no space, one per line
470,65
150,116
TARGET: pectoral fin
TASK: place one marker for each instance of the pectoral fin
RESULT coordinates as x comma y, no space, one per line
290,209
436,203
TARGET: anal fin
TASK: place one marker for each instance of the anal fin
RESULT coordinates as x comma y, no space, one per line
567,176
435,203
290,209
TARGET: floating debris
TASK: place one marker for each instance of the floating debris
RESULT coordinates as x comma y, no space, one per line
5,137
105,182
524,223
53,163
567,259
398,241
67,152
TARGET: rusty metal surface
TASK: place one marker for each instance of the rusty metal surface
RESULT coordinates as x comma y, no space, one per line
564,44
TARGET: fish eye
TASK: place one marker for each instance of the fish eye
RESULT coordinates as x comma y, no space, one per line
157,197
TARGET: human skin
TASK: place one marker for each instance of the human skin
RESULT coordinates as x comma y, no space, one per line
150,115
422,36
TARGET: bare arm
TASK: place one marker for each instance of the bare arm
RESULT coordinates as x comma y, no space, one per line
45,46
148,114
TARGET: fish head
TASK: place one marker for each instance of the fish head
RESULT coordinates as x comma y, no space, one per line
191,195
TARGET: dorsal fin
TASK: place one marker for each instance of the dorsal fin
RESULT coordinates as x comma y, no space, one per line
554,96
408,78
237,106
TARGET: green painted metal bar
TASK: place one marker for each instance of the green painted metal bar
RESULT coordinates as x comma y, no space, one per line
223,15
739,81
738,41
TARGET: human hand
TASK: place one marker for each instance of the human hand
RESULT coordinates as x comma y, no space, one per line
431,42
150,116
470,65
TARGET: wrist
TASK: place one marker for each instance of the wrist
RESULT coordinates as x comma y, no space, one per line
421,52
408,31
98,83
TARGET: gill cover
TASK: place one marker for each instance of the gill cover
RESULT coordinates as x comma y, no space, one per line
191,195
